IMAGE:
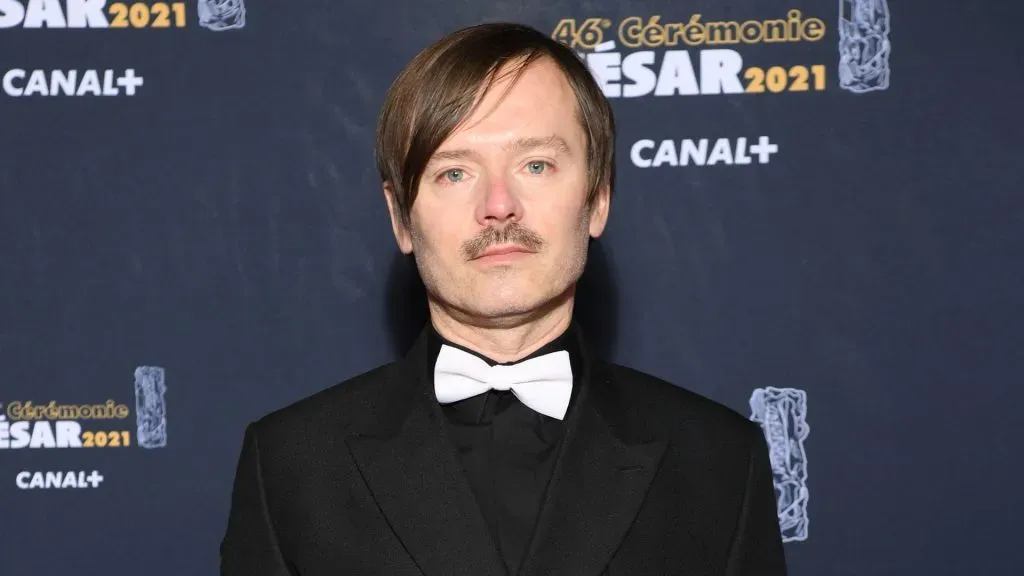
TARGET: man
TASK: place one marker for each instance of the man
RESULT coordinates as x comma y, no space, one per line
501,444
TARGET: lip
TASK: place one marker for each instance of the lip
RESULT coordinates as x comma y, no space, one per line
498,251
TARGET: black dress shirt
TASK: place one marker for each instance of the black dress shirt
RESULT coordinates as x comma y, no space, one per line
508,451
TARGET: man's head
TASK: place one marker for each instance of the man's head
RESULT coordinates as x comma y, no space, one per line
496,149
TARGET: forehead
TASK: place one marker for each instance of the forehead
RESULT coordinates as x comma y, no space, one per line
539,103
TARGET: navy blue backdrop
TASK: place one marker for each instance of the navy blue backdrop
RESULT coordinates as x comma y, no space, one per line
817,222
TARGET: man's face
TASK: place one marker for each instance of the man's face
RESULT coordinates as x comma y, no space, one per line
500,224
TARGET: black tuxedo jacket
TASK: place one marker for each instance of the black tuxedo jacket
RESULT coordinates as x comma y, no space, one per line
362,479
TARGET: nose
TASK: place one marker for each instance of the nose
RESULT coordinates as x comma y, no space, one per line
499,204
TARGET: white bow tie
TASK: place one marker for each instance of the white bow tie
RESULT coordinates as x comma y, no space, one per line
544,383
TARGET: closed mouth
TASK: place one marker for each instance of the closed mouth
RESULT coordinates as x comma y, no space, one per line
503,250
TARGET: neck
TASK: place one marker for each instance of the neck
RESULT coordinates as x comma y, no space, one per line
506,338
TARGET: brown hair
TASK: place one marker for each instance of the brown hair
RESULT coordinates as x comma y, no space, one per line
442,85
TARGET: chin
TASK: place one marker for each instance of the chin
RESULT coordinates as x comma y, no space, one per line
501,303
512,300
497,308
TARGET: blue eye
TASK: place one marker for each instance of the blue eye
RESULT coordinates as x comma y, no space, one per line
454,175
536,167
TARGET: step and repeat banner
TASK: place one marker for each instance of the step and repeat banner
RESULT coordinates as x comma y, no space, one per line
817,222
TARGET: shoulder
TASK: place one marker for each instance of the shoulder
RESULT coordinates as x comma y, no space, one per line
665,409
710,449
335,409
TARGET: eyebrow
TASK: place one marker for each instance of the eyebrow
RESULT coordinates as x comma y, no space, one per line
526,144
519,145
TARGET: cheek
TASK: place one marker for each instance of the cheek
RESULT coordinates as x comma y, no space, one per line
573,217
564,208
565,235
440,240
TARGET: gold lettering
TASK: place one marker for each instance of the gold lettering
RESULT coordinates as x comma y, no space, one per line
722,33
634,32
590,34
751,31
794,25
565,32
693,31
630,30
673,33
813,29
775,31
53,411
654,35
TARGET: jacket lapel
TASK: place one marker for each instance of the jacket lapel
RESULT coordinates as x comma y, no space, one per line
597,487
414,474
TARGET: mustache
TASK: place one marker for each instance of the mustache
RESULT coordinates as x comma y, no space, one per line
513,233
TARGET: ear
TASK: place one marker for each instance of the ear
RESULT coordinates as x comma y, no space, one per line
599,210
402,235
